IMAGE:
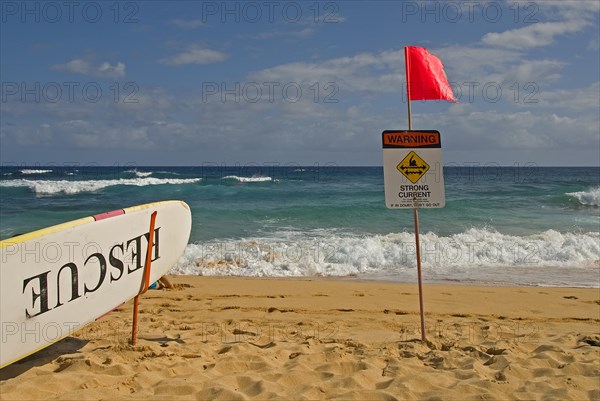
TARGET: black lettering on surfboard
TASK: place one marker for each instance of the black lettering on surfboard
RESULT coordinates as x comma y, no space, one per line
74,283
116,262
102,262
135,254
40,283
155,243
42,295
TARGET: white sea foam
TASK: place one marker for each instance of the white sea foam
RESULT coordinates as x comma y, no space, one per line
46,187
473,253
140,174
34,171
248,179
590,197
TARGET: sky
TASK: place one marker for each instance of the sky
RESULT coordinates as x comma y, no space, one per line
294,82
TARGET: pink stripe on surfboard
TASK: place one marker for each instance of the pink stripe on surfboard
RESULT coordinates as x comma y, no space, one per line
107,215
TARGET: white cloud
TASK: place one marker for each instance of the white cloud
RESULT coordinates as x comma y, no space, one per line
85,67
513,132
304,33
40,135
77,66
476,63
535,71
594,44
169,128
566,17
578,99
195,54
187,24
381,72
586,9
471,68
536,35
111,71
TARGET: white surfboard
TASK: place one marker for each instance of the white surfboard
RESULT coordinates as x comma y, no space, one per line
56,280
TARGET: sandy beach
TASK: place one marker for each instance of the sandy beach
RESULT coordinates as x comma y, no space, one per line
315,339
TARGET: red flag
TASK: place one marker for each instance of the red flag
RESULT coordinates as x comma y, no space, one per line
425,77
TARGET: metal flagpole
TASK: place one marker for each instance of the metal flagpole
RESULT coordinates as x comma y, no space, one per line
415,210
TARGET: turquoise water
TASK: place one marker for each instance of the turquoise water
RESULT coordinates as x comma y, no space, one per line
527,225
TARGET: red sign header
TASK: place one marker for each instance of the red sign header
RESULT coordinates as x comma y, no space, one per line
411,139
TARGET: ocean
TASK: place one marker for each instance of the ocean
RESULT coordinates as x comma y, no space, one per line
521,225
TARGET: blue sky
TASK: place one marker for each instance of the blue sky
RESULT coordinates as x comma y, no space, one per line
299,82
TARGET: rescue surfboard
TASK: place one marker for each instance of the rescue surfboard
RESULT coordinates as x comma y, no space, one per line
56,280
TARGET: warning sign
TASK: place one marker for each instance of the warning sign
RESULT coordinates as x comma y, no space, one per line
413,169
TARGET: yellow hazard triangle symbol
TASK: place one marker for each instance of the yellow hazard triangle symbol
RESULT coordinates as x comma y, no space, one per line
413,167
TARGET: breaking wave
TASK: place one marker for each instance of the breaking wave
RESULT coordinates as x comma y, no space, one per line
34,171
472,253
46,187
248,179
588,198
140,174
